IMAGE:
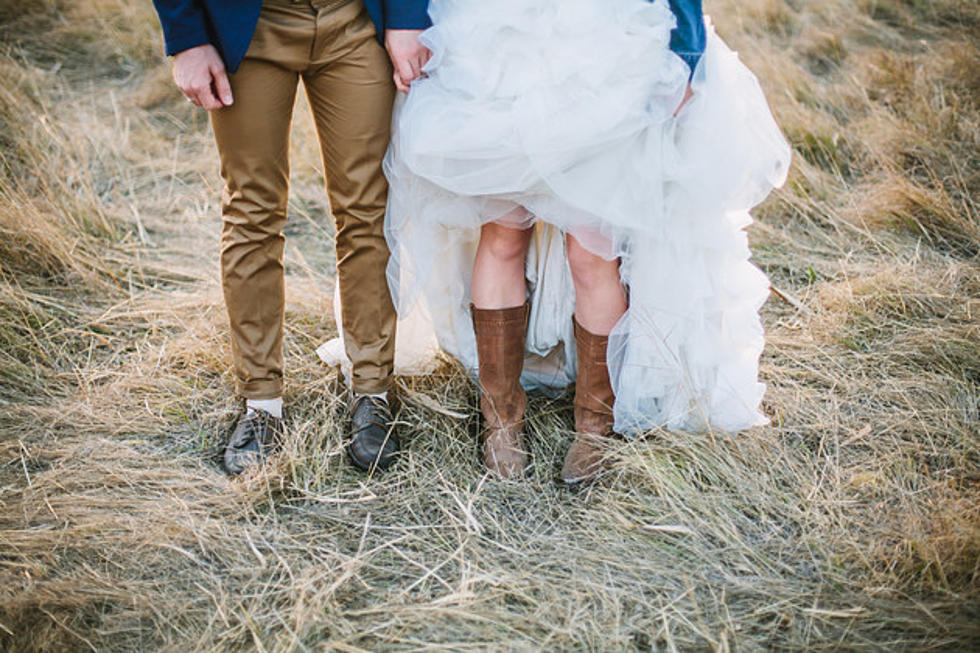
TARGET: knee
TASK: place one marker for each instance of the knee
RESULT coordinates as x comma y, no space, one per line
504,244
251,229
586,267
359,230
254,211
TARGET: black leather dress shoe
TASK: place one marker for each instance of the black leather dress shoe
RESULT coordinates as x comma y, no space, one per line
257,434
374,443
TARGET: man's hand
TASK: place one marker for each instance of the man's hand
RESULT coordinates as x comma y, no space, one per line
407,54
688,94
200,76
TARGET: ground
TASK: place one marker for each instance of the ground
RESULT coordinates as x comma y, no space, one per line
852,521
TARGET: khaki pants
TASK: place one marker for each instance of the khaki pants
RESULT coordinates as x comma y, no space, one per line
331,45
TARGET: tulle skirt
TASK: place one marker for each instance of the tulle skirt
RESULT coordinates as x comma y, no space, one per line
560,114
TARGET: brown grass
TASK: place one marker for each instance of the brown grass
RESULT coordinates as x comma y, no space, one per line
852,522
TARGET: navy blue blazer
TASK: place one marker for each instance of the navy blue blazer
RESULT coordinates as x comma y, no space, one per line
229,24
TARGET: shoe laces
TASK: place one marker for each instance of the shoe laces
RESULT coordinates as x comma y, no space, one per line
379,410
256,423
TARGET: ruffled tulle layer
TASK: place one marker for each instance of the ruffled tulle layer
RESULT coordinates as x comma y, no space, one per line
560,112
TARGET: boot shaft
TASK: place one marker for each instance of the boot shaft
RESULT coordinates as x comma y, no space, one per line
500,348
500,335
594,396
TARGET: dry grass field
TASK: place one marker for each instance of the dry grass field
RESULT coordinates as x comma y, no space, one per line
852,522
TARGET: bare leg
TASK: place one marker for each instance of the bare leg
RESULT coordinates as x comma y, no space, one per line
500,313
498,270
599,303
600,299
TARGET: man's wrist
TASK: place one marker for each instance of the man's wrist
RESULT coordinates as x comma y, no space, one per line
186,41
196,48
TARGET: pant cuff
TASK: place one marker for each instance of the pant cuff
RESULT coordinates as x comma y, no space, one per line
260,389
371,386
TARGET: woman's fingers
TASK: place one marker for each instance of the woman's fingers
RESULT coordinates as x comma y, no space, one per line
399,84
416,64
688,94
407,54
405,71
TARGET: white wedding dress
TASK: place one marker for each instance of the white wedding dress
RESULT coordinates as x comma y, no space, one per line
560,113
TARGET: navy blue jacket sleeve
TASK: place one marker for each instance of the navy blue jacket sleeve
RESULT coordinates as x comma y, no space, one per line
184,24
407,14
688,38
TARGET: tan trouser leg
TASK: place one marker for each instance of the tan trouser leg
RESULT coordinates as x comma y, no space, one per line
351,96
331,44
253,144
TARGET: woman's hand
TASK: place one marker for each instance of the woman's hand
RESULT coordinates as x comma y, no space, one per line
688,94
408,55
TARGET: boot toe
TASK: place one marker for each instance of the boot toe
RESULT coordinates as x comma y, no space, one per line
505,459
583,462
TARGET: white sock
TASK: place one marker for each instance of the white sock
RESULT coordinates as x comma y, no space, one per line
271,406
380,395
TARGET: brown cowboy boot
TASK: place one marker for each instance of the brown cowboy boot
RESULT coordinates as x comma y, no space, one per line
500,348
593,408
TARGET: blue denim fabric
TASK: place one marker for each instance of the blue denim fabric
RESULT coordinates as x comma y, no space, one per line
688,38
